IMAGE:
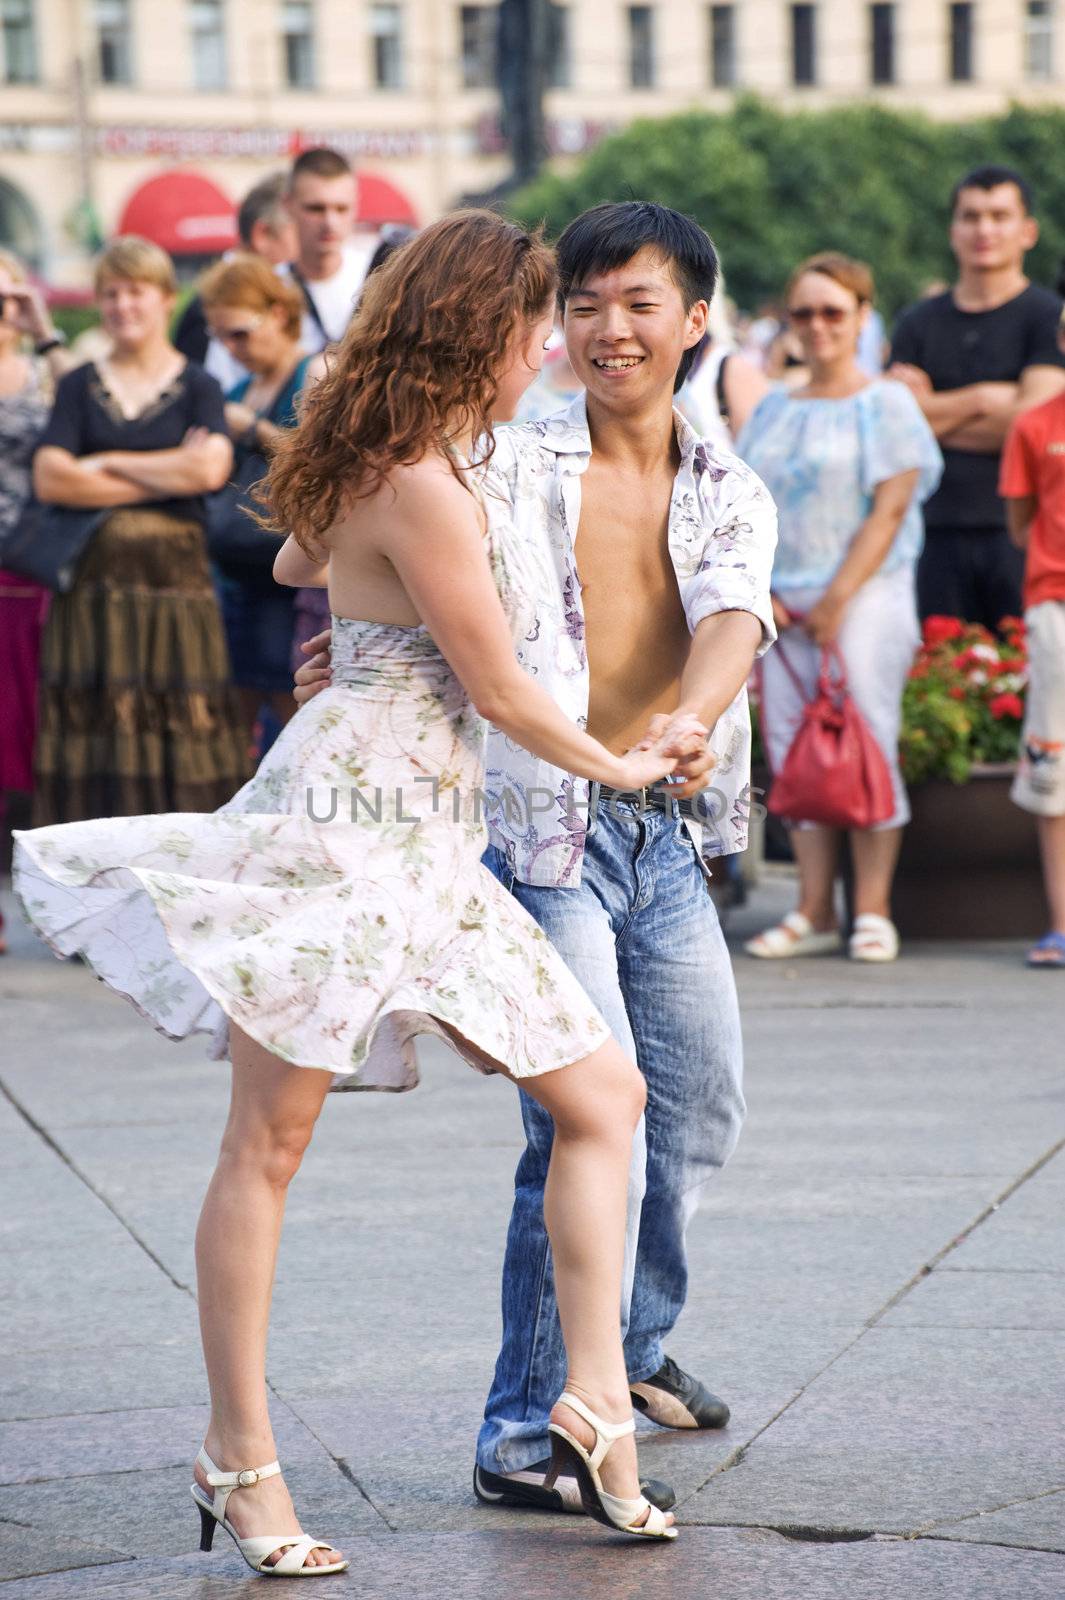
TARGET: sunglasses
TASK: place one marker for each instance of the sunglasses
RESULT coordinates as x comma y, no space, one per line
237,335
802,315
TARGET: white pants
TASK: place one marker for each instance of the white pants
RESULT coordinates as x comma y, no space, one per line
878,640
1040,782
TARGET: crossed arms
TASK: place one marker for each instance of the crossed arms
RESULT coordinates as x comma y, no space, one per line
978,417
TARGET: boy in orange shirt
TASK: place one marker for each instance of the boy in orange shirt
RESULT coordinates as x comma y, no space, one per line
1032,483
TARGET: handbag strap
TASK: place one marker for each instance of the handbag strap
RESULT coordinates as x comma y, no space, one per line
827,682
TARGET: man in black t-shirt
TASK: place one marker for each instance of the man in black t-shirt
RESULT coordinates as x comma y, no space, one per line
975,358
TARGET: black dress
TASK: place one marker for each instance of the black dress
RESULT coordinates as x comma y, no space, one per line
137,711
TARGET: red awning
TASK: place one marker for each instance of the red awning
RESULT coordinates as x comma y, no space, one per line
185,213
379,201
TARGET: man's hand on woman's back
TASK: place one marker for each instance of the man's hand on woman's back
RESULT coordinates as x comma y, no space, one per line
316,673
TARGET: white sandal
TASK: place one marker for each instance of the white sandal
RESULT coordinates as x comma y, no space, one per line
260,1547
568,1454
793,935
873,938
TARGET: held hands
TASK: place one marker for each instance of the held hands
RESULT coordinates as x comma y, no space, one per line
316,674
672,745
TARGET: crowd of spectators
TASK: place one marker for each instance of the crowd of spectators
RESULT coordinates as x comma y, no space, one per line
911,474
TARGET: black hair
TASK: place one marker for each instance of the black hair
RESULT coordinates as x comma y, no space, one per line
1060,285
989,177
607,236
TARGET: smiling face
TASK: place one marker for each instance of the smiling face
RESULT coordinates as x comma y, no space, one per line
627,329
524,364
827,319
991,230
134,311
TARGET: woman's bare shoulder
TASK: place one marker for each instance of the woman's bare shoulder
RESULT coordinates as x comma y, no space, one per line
414,496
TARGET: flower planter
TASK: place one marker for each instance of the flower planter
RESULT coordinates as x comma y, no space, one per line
969,867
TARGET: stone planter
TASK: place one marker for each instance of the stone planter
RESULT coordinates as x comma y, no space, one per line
969,867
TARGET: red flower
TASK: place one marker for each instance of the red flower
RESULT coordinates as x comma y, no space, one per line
956,692
938,629
1010,625
1006,705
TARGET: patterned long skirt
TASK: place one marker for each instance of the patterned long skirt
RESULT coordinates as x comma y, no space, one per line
137,712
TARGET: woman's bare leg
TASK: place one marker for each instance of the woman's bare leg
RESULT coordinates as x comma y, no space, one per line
816,851
272,1113
596,1105
876,855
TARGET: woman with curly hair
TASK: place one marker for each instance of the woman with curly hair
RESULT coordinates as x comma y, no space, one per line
337,907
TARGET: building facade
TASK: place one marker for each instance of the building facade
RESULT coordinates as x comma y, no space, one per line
100,97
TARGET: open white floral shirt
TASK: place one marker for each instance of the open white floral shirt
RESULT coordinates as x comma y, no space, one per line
722,534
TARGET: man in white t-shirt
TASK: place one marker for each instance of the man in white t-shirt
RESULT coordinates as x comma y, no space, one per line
331,258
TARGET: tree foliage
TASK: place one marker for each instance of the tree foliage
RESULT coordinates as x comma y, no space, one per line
772,187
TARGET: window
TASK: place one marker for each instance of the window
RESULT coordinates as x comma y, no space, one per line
882,43
641,47
961,43
297,41
20,43
208,44
478,27
1039,40
114,59
803,44
723,46
559,56
386,32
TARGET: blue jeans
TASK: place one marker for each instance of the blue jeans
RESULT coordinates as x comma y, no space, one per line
642,935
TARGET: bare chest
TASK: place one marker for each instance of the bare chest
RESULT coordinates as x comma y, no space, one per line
622,554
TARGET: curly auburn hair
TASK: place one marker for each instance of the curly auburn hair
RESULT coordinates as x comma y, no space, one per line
422,353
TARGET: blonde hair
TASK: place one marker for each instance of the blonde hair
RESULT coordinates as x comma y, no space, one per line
248,280
138,261
14,268
844,270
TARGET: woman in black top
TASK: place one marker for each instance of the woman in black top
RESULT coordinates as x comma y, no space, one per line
137,712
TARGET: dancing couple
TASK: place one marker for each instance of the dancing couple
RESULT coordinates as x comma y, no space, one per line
316,950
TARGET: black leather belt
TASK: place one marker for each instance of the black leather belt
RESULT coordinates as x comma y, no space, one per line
653,799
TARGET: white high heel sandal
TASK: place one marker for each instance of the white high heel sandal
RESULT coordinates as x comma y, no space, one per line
257,1549
609,1509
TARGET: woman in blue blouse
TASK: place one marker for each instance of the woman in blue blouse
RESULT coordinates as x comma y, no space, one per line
849,461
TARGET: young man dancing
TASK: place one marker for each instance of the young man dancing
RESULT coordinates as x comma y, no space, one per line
656,552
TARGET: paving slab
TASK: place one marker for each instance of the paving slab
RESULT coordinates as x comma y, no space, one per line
26,1550
729,1564
1038,1524
128,1441
151,1513
982,1299
909,1426
889,1110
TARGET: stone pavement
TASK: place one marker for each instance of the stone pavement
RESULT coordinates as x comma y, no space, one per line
878,1288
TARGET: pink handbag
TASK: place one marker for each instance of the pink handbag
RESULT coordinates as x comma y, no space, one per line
834,773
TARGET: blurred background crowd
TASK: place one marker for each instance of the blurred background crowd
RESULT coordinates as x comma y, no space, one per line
911,425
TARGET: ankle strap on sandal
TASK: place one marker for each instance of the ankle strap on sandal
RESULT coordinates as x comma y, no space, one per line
245,1479
606,1433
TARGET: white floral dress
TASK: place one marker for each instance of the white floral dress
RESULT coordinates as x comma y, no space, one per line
337,906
